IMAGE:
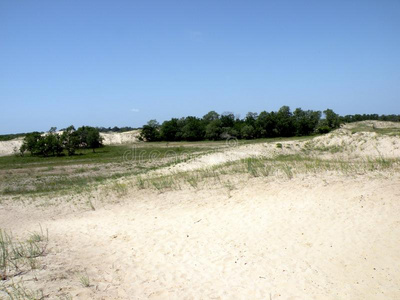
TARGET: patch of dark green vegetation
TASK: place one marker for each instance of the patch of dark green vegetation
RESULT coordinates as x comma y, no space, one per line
8,137
281,123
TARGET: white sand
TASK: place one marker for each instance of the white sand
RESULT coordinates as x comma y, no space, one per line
115,138
10,147
306,238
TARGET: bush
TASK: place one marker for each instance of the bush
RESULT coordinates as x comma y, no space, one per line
54,144
323,129
150,132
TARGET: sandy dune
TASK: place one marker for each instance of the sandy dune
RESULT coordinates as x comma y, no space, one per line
116,138
306,238
10,147
321,236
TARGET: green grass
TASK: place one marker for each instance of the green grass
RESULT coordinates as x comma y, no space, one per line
107,154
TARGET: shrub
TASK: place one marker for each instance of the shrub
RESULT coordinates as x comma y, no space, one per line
54,144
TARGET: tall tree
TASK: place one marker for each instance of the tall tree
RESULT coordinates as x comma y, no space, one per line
150,132
284,124
332,119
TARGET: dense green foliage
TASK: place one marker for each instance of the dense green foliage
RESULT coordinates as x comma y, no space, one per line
365,117
8,137
116,129
54,144
213,126
283,123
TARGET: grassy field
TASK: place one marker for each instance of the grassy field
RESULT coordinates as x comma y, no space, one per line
32,175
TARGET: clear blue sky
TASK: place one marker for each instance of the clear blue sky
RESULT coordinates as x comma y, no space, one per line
106,63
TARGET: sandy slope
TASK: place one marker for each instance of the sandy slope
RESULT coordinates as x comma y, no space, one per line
10,147
306,238
115,138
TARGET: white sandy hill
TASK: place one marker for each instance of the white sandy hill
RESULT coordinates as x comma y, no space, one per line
10,147
110,138
361,143
116,138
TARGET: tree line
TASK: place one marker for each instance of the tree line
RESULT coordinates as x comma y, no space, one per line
282,123
365,117
116,129
213,126
55,144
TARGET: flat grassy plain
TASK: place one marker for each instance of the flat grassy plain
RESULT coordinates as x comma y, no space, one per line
32,175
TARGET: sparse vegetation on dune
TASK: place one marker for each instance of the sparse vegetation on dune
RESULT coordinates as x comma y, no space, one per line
18,257
282,166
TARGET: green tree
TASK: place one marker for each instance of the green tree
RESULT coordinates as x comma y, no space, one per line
170,130
332,119
213,130
284,122
306,122
251,118
266,124
70,140
150,132
227,119
93,138
193,130
31,143
52,143
210,116
248,132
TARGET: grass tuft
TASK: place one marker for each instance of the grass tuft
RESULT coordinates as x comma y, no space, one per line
84,280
